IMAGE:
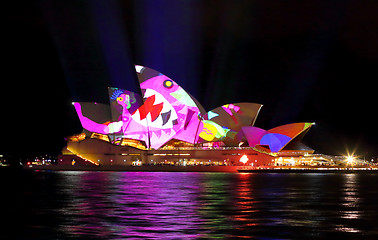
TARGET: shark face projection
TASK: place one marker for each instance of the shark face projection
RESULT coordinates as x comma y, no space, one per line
178,112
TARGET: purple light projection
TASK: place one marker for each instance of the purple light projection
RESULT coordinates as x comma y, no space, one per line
257,136
275,141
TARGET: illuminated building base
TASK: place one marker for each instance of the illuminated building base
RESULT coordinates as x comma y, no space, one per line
92,151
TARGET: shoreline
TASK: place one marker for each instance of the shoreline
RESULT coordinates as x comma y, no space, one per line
226,169
157,168
309,170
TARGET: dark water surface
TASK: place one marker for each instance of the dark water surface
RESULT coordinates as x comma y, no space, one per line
158,205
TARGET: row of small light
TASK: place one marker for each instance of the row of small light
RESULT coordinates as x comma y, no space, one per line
171,154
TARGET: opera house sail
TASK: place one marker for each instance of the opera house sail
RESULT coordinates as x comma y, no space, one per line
165,124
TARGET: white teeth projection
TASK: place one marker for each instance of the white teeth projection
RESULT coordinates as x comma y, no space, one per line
157,135
148,93
159,121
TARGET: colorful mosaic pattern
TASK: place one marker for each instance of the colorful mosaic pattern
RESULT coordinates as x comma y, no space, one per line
232,117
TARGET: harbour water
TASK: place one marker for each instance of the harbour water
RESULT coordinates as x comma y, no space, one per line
188,205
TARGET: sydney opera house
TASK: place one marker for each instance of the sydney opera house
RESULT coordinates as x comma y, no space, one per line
166,125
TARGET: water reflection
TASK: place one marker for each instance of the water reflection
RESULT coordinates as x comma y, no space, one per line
138,205
147,205
350,200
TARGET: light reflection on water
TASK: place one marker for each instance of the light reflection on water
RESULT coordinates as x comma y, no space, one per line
155,205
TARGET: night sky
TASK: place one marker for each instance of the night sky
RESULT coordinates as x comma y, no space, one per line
313,61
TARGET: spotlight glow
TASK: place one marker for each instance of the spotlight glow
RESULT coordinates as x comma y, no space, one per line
350,159
244,159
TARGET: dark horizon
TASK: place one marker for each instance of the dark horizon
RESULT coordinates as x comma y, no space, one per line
304,61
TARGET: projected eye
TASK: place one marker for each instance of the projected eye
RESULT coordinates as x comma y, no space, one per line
168,83
119,99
